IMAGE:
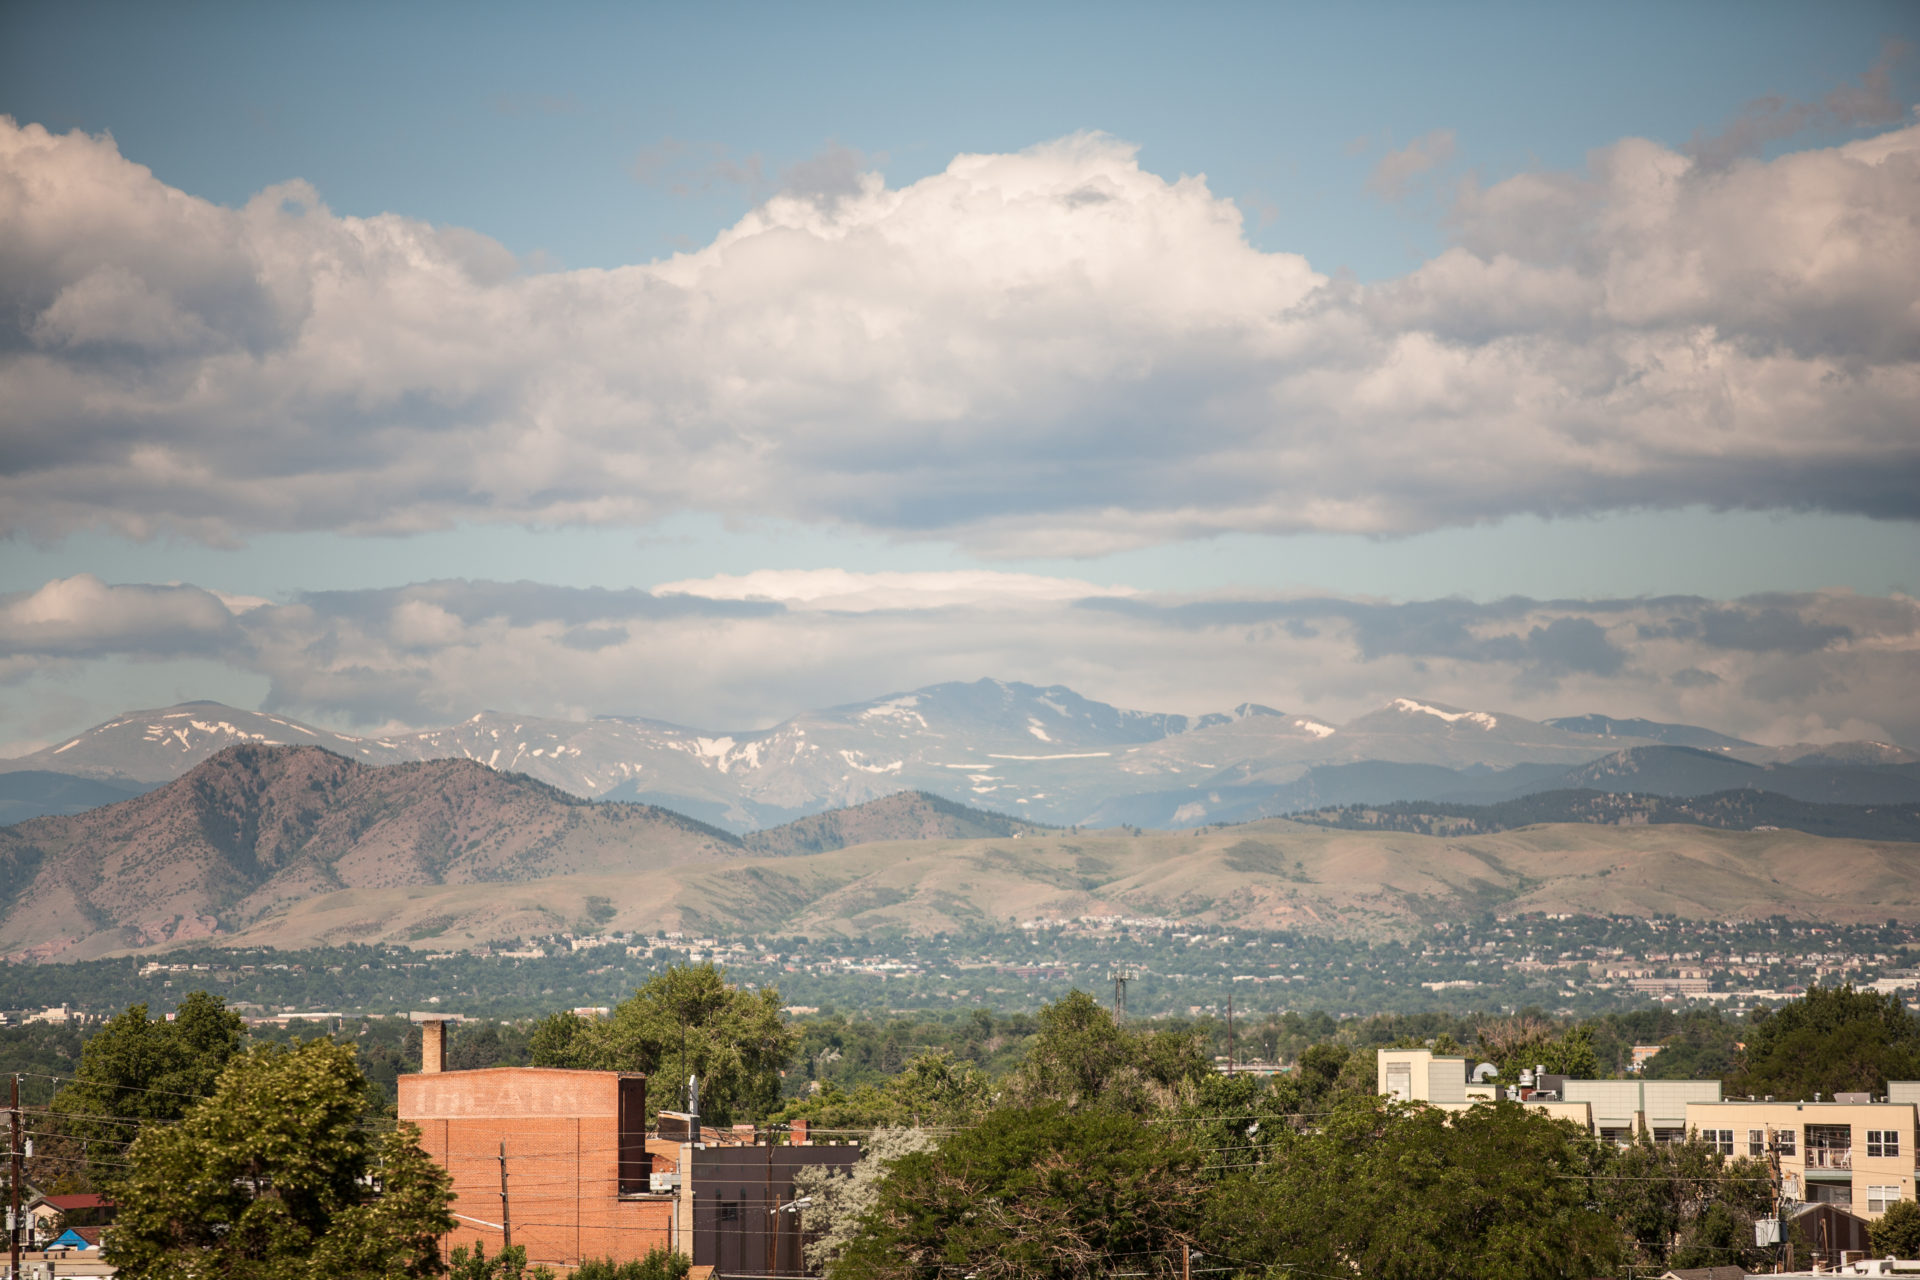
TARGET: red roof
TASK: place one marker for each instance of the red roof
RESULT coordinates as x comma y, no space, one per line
67,1204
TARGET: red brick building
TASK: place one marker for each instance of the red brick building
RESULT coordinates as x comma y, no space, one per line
574,1148
584,1178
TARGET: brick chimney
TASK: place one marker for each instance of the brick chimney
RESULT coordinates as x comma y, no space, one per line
797,1133
433,1047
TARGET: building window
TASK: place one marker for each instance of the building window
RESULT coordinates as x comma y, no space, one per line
1400,1081
1787,1140
1756,1142
1883,1142
1840,1193
1720,1140
1829,1146
1879,1199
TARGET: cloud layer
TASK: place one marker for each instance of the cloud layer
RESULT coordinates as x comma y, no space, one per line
740,653
1052,352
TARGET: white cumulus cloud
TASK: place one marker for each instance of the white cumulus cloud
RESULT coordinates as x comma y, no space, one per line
844,589
1049,352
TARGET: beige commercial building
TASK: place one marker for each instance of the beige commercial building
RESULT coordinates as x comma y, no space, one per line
1855,1154
1418,1075
1852,1151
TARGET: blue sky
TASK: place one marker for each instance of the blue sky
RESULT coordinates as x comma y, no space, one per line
1360,148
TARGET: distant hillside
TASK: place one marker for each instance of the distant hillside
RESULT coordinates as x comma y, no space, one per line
256,830
1266,875
907,815
1739,810
1687,771
35,793
1675,735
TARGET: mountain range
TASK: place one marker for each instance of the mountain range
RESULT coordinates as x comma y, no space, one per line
1047,754
254,833
296,846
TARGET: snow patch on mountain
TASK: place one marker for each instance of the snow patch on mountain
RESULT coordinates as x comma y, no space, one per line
1411,707
859,762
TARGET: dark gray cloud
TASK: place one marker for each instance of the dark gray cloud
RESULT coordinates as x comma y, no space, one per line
1808,667
829,174
1869,102
525,603
83,617
1774,630
1574,644
1461,630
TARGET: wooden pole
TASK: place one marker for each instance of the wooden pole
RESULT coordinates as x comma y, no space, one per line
506,1216
1186,1261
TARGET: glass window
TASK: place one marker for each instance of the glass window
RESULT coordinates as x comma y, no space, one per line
1400,1081
1880,1198
1720,1140
1756,1142
1829,1146
1883,1142
1788,1140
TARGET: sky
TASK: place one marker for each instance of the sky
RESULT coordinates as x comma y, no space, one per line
377,364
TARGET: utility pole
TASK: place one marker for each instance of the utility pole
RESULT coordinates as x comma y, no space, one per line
506,1217
1230,1045
773,1218
1186,1261
1782,1251
1121,977
13,1171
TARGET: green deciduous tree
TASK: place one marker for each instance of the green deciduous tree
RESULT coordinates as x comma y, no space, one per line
840,1200
1040,1193
1897,1232
1398,1192
1082,1057
278,1175
1834,1040
1681,1204
1521,1043
659,1264
508,1264
143,1068
686,1021
933,1089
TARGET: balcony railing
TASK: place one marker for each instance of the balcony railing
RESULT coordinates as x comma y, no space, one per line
1829,1157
